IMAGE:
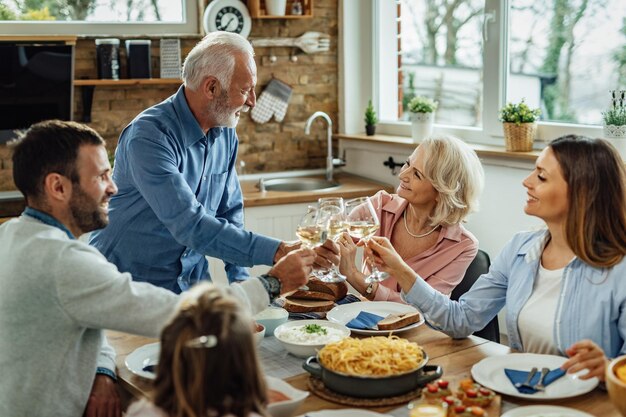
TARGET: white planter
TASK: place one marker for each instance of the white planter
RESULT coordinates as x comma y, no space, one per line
614,131
421,126
617,136
275,7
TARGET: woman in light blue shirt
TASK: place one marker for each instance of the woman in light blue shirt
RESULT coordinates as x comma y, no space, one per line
564,287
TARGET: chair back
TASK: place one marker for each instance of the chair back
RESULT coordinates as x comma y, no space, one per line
480,265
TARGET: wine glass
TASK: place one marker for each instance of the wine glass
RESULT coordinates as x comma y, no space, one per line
362,223
311,230
333,217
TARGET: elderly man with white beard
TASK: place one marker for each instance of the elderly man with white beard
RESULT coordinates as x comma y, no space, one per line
179,197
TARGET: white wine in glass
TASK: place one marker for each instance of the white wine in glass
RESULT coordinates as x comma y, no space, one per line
333,218
311,236
362,229
362,223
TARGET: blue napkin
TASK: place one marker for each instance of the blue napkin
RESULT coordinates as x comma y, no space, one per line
520,376
350,298
364,321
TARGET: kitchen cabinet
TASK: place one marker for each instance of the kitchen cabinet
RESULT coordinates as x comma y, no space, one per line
278,221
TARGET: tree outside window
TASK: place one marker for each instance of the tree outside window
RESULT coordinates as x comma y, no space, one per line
118,11
564,56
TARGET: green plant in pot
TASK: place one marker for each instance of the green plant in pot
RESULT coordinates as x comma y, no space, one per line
422,117
615,117
519,125
615,121
370,119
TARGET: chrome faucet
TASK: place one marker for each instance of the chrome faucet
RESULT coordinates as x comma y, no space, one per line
329,139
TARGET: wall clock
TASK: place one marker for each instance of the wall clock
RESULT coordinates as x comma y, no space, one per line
229,16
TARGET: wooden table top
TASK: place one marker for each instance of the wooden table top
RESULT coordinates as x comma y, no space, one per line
456,356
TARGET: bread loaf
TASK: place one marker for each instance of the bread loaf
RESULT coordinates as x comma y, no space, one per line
319,290
307,306
310,295
398,321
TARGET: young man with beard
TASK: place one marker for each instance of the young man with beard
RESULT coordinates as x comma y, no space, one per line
58,293
179,197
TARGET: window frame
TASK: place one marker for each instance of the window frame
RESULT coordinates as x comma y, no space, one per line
355,55
190,26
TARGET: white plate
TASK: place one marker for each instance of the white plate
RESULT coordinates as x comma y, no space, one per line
490,373
545,411
342,314
348,412
142,357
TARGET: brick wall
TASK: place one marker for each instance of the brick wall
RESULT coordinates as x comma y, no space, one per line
263,147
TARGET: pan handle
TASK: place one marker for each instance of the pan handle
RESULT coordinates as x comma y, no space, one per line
316,369
430,373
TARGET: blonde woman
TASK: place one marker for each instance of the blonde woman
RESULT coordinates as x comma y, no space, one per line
440,185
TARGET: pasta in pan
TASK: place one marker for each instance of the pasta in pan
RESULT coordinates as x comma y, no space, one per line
374,356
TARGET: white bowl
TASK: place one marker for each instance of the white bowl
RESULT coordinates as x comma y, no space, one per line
306,349
259,334
285,408
271,318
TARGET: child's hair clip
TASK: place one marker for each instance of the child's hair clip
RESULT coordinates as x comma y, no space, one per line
207,341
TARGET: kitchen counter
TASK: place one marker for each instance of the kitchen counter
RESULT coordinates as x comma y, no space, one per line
12,202
350,186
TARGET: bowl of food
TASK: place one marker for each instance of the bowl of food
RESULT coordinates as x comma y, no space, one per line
375,367
303,338
283,399
616,383
259,333
271,318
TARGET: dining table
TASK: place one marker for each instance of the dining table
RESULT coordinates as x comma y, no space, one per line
455,356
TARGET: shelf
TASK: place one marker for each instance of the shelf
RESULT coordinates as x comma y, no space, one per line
68,40
87,87
257,10
128,81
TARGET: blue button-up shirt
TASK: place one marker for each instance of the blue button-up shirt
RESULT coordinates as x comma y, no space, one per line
179,199
591,304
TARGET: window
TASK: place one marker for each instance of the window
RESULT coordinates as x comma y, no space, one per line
566,56
473,56
441,54
98,17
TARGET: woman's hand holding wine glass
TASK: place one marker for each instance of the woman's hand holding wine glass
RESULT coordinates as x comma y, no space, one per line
362,223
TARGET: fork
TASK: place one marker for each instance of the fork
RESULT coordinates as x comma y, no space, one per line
309,42
526,383
539,386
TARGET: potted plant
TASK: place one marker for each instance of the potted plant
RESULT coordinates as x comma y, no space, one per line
615,121
519,124
370,119
422,117
615,117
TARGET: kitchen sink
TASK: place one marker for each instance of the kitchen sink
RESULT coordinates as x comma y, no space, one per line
296,184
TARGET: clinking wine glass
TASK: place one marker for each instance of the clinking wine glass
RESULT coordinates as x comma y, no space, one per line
333,217
311,231
363,223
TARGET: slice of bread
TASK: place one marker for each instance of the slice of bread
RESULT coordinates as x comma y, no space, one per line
310,295
307,306
335,290
398,321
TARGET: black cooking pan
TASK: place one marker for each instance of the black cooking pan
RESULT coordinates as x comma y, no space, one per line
372,386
